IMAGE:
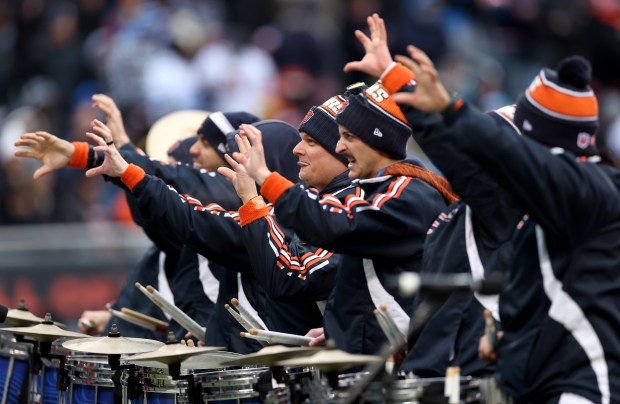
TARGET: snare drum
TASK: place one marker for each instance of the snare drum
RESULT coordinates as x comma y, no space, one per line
14,369
90,379
157,386
408,390
228,386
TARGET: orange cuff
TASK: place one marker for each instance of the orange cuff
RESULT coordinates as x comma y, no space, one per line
274,186
396,76
132,176
80,155
253,210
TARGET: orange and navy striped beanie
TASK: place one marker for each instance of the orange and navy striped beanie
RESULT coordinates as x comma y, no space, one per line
377,120
559,108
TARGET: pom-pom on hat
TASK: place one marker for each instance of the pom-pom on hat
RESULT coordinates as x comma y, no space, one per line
218,124
559,108
377,120
320,124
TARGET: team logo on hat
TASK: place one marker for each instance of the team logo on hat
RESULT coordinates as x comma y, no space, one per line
334,105
527,126
583,140
377,132
309,115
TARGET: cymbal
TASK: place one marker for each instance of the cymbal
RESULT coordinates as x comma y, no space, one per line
269,355
173,353
330,360
24,318
209,360
116,345
44,332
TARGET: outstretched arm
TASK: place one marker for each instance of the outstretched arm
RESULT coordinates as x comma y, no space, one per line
55,153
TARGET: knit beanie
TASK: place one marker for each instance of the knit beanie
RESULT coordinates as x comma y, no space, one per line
218,124
559,108
320,124
377,120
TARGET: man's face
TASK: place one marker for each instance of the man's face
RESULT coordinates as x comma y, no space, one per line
364,161
205,156
317,167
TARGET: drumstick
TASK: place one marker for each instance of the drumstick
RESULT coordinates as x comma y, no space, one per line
246,314
489,329
160,325
274,337
391,323
133,320
183,319
385,328
241,320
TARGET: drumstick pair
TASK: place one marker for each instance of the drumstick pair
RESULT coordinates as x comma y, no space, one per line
257,332
388,325
173,311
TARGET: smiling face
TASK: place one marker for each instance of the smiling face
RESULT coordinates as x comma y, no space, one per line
317,166
205,156
364,161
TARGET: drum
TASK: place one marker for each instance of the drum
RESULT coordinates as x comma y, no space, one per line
156,385
91,380
14,369
229,386
417,390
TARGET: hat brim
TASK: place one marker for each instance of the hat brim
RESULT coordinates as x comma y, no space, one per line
170,128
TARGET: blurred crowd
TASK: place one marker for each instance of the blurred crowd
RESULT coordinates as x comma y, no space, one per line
275,58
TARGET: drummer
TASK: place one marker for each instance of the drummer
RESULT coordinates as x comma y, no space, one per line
201,182
381,230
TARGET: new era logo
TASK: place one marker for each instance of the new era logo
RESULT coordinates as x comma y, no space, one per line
377,133
221,148
527,126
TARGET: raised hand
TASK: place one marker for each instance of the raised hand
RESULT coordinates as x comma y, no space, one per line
430,95
252,148
113,117
377,57
55,153
243,183
113,165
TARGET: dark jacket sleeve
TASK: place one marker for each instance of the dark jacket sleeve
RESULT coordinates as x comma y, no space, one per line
209,230
567,198
288,270
401,214
200,184
494,210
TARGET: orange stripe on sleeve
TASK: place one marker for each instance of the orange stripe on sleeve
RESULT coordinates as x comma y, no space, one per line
132,176
274,186
80,155
396,77
253,210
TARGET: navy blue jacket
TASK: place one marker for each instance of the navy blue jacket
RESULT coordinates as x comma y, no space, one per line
293,270
560,310
379,235
214,232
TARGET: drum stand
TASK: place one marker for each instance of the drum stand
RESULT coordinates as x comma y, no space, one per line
133,386
41,350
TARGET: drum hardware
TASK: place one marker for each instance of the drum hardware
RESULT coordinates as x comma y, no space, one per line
114,345
43,335
172,354
22,317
